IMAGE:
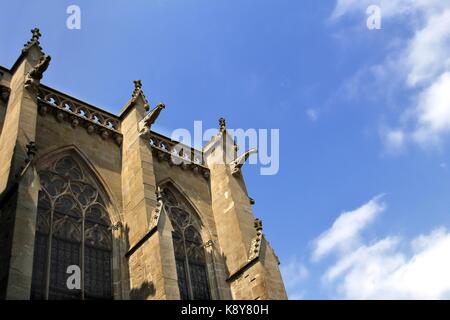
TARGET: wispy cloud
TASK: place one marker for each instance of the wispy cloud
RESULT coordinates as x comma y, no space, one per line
344,234
390,268
313,114
394,140
421,62
433,111
294,274
384,270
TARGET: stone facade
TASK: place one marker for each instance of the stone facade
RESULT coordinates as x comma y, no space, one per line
130,166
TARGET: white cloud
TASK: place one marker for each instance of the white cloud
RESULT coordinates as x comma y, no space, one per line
384,271
433,111
422,62
390,268
427,53
294,274
390,8
312,114
394,140
345,231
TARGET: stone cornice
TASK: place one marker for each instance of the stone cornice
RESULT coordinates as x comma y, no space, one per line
177,154
164,155
68,110
64,96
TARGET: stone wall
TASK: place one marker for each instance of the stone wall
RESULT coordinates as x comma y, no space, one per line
104,156
196,189
7,213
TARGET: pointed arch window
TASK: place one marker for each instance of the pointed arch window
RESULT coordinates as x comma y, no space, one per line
189,250
73,228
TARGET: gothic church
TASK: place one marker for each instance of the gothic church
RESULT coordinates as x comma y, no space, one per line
102,193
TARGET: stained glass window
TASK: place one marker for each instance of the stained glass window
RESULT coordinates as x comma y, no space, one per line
73,228
189,251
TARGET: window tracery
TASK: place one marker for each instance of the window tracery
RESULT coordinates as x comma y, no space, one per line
73,228
189,250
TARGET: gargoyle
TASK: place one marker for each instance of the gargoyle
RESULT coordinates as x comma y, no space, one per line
237,164
149,119
35,75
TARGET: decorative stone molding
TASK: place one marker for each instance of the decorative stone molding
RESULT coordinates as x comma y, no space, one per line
175,154
153,225
157,211
33,77
117,229
31,153
255,246
237,164
117,226
208,244
79,114
254,251
196,168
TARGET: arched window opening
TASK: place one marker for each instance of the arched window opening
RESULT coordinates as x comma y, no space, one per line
73,229
189,250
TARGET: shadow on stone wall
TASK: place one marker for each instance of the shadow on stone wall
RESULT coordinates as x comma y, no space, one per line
146,290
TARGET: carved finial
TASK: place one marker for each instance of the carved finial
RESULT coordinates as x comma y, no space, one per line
137,91
258,225
255,246
31,149
36,34
31,152
208,243
222,124
117,226
137,87
158,194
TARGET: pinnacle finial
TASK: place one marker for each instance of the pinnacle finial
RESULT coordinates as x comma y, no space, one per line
138,92
158,193
36,34
31,149
137,84
137,87
222,124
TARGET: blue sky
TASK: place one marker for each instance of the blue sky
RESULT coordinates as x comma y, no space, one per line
360,206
